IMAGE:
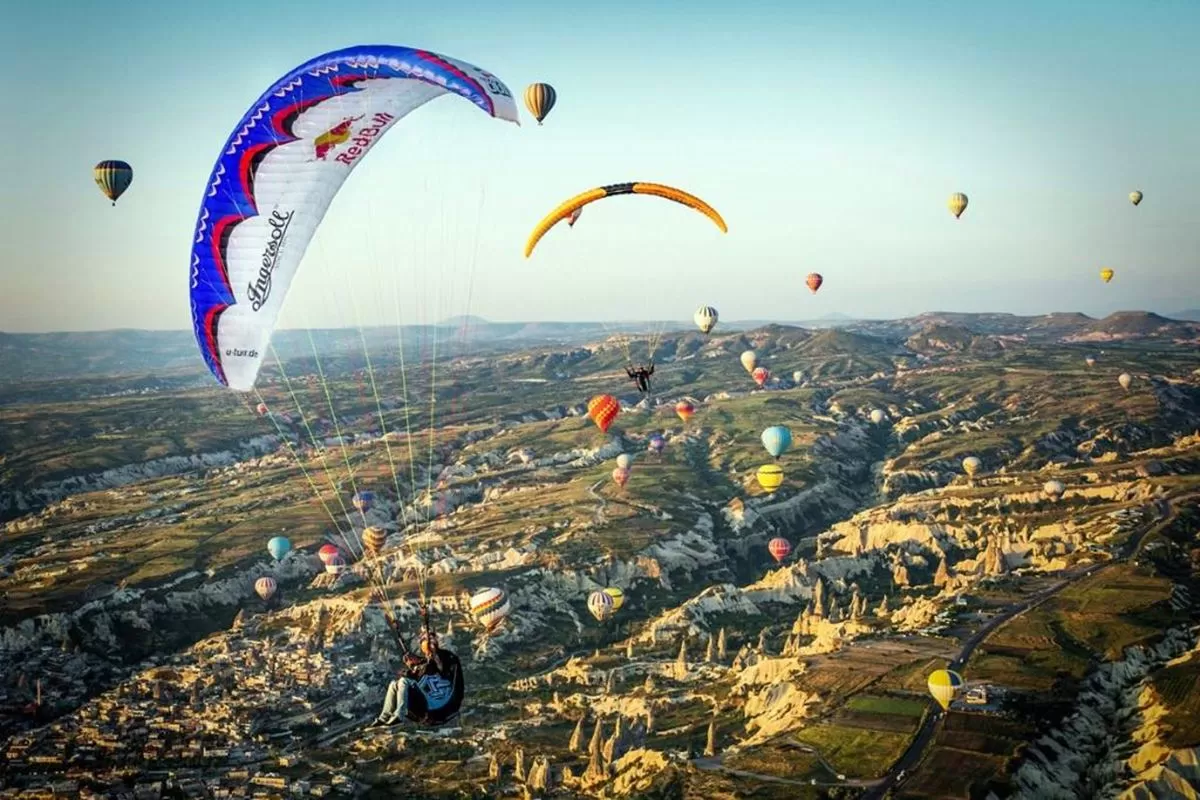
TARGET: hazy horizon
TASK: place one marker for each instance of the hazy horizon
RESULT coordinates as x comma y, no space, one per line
829,139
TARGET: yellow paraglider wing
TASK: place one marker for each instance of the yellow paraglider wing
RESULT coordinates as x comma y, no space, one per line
577,202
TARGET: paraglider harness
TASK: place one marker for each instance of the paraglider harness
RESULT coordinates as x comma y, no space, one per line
641,376
435,676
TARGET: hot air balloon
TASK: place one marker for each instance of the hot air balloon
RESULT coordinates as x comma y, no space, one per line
797,377
780,548
625,461
1135,197
373,539
601,605
490,608
363,501
656,443
1053,489
705,318
971,465
1090,361
621,476
261,408
814,281
539,99
603,409
684,410
618,597
327,553
113,178
877,416
1125,379
749,360
265,587
770,477
943,685
335,565
278,547
1106,274
761,375
777,439
957,204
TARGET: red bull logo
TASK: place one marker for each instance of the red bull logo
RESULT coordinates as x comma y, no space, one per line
333,137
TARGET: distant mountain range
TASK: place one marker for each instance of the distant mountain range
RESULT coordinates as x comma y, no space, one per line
40,356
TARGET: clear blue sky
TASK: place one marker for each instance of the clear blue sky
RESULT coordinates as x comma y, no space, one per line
829,135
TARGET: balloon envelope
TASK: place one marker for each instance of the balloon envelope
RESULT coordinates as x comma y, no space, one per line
749,360
684,410
957,204
705,318
1053,488
876,416
601,605
603,409
618,597
777,440
489,607
770,477
780,548
971,465
761,375
1135,197
1106,274
656,443
113,177
943,685
327,553
265,587
621,476
373,539
1125,379
540,99
625,461
814,281
278,547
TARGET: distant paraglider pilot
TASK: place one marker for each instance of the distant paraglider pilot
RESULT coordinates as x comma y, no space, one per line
641,375
429,690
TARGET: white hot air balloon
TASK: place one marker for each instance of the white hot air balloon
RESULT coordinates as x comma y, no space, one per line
705,318
601,605
490,608
876,416
1125,379
624,461
971,465
1054,489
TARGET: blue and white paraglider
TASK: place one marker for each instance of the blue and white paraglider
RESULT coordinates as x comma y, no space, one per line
280,169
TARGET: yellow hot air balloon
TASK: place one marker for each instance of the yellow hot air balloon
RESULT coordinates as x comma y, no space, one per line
540,99
944,684
1106,274
770,477
1135,197
568,207
618,597
113,177
749,360
1125,379
957,204
971,465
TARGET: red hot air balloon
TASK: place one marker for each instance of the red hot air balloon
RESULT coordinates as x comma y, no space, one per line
761,375
328,553
814,281
684,410
603,409
261,408
780,548
621,476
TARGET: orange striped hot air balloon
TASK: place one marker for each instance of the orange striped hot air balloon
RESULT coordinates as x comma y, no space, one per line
684,410
814,281
373,539
603,409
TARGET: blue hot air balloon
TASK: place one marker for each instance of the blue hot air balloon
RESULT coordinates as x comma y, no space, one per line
777,439
279,547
